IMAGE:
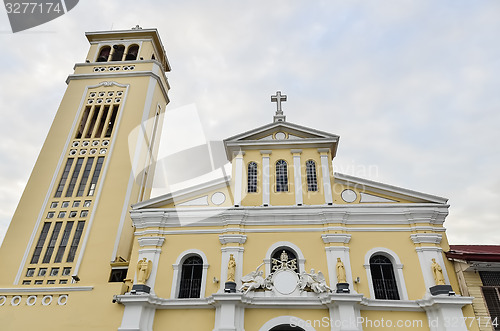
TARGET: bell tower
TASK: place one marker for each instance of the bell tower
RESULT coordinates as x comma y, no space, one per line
71,232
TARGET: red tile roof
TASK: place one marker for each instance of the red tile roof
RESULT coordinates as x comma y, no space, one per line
489,253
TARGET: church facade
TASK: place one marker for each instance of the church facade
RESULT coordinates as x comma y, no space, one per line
278,242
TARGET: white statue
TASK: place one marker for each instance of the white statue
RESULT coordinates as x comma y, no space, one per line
315,281
254,280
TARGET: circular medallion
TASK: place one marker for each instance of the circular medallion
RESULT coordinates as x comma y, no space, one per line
280,136
218,198
349,195
285,281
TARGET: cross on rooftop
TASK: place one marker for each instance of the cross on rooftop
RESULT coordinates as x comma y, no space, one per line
278,98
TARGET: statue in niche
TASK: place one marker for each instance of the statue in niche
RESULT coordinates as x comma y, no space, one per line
231,269
437,272
144,268
341,275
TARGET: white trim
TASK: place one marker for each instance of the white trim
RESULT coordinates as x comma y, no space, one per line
18,298
46,289
398,270
176,279
300,257
128,74
297,176
288,320
325,171
52,183
103,175
266,189
61,297
138,148
28,300
390,190
238,178
44,300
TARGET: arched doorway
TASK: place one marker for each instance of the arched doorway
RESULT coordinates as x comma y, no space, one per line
286,323
286,327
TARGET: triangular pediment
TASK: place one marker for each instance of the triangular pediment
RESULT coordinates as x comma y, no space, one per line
352,189
292,131
281,135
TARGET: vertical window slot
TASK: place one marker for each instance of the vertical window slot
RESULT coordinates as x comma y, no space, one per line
64,177
92,122
40,243
74,177
85,176
111,122
52,243
102,122
64,242
95,176
76,241
83,121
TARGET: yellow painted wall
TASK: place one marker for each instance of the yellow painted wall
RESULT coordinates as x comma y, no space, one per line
184,319
396,320
255,318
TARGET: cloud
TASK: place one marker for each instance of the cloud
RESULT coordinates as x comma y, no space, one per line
411,87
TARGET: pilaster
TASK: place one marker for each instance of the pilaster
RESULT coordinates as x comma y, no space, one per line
325,170
266,185
297,176
230,245
238,178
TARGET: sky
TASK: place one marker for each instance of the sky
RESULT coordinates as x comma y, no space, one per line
411,87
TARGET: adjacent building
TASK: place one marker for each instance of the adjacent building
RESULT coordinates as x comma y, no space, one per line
478,272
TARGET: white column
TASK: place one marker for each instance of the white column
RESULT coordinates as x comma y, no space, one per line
237,252
325,170
151,250
229,312
427,253
334,252
444,313
344,312
238,178
266,185
297,176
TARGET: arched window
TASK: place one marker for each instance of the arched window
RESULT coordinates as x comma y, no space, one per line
132,52
252,177
384,281
104,54
312,179
284,258
281,176
191,275
118,51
